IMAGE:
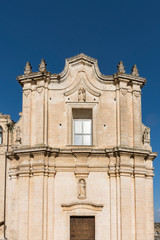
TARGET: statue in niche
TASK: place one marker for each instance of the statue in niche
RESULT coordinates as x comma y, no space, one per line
18,134
81,95
81,188
146,136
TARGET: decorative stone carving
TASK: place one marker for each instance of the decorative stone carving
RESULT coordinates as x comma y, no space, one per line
146,135
81,188
42,66
18,133
81,95
82,205
120,68
28,68
18,137
134,71
39,89
136,94
26,92
123,91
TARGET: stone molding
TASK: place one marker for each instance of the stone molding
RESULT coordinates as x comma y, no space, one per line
32,169
82,205
81,169
84,60
80,151
82,84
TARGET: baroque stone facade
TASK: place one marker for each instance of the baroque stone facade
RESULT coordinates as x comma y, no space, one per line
78,154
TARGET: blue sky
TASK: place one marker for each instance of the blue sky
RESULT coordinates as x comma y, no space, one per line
109,31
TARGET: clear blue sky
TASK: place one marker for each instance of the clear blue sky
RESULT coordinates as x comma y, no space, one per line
109,31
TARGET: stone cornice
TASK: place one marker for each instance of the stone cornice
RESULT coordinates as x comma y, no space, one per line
78,151
129,78
85,60
32,150
4,116
33,77
38,161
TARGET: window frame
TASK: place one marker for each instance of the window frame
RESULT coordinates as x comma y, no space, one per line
83,134
89,105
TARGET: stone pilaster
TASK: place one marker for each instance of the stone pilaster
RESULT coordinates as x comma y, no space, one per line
113,197
137,117
126,196
27,97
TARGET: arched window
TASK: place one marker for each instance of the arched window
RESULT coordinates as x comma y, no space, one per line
1,135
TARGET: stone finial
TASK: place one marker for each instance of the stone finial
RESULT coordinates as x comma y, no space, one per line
120,68
134,71
28,68
42,66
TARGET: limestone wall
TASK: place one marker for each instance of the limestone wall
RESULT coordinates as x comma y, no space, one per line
49,178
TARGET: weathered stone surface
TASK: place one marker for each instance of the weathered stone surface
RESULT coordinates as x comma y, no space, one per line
157,231
49,178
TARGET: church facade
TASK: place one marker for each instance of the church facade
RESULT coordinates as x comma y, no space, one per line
78,163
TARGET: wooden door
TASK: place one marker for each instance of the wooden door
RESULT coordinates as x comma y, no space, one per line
82,228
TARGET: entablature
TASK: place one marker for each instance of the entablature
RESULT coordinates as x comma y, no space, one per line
47,161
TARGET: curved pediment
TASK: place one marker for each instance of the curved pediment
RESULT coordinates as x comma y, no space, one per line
82,82
83,61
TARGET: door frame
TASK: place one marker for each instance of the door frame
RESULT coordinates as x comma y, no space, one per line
84,217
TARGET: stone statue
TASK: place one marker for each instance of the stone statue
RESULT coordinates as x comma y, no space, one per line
146,134
81,95
81,188
18,134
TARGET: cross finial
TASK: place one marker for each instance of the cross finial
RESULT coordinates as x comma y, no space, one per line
42,66
134,71
28,68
